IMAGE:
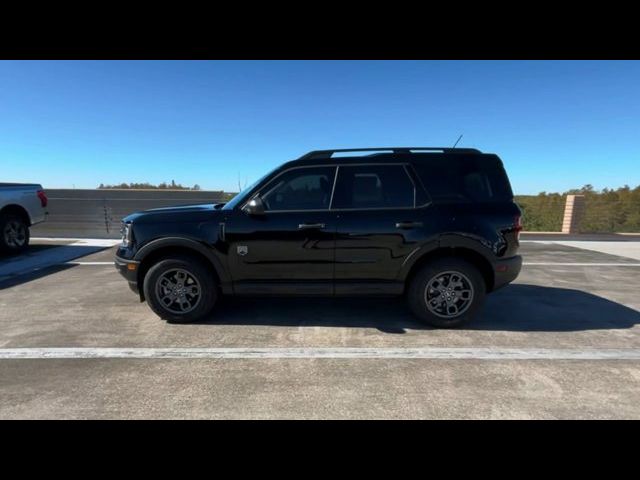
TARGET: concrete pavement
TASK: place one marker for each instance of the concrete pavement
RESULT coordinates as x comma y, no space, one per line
567,300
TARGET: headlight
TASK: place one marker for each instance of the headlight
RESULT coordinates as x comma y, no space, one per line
125,231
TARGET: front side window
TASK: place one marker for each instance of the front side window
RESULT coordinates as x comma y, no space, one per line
300,189
244,194
373,186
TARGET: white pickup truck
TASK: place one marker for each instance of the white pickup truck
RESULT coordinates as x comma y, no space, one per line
21,206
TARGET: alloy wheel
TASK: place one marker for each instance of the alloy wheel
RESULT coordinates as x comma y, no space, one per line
15,234
178,290
448,294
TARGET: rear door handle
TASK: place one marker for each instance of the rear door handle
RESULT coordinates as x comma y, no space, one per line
308,226
408,225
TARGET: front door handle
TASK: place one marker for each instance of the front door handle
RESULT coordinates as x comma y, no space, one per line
407,225
308,226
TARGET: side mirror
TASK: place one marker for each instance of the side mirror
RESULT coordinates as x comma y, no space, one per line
254,207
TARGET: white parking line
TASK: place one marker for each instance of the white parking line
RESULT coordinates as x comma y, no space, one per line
90,242
89,263
489,353
57,255
583,264
620,249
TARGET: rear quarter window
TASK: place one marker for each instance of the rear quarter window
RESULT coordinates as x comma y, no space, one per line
460,178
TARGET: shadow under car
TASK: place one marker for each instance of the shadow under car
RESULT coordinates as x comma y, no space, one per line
516,307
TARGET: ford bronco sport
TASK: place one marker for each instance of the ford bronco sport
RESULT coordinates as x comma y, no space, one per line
438,225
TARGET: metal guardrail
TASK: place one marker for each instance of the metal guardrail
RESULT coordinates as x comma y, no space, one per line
97,213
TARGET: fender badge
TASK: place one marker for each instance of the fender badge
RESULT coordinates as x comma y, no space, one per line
242,250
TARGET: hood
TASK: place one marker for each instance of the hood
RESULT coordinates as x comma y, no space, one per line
177,213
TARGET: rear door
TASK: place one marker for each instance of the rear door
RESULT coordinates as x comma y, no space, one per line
380,222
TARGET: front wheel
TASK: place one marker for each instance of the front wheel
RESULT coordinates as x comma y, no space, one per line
14,234
180,289
447,292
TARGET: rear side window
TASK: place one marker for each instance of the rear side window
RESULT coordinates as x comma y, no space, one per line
373,186
455,178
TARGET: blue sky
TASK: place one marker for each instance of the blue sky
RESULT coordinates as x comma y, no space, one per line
556,125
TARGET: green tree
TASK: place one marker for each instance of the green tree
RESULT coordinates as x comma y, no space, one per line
606,211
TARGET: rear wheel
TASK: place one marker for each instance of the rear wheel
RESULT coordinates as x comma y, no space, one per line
180,289
447,292
14,233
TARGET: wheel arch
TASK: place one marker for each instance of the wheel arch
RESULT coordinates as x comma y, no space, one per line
16,209
153,251
472,256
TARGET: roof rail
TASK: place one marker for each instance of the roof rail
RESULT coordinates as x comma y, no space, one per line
319,154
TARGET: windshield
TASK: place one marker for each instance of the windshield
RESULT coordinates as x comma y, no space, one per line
242,196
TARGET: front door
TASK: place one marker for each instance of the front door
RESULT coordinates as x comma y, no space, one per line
290,248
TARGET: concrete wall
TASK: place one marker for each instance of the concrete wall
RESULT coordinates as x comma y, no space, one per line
573,212
97,213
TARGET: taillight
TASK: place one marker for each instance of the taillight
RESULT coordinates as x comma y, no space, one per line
517,221
43,198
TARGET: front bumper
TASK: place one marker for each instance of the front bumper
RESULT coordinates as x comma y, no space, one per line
129,270
506,271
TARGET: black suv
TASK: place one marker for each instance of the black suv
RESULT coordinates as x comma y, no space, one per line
438,225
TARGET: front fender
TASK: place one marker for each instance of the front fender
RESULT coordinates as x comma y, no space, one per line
206,250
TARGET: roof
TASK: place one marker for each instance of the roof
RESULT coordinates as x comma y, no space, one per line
388,154
325,154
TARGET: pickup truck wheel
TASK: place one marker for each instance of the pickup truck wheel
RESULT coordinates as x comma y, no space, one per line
447,292
180,289
14,233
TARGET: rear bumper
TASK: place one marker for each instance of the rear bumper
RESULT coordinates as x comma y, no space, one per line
506,271
38,217
129,270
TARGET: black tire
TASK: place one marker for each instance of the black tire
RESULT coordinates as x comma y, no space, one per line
14,234
158,281
458,276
